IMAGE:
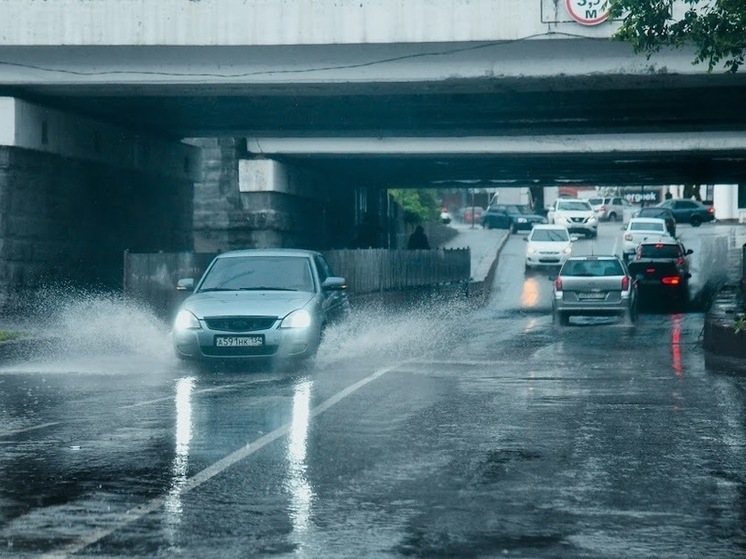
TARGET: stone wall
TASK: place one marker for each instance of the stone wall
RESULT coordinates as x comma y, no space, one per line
319,216
68,221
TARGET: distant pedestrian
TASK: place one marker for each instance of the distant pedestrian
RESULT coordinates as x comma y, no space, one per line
418,240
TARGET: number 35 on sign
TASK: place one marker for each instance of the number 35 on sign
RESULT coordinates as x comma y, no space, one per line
588,12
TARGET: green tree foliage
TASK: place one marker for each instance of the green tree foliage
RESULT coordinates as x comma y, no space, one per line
716,28
419,205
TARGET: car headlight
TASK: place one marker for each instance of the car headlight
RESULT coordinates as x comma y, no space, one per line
297,319
185,320
592,219
567,250
531,250
521,220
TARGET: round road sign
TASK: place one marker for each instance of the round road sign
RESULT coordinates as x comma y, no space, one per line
588,12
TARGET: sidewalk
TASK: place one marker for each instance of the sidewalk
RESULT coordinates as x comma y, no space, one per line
485,246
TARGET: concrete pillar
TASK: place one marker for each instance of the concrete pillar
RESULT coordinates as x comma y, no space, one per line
75,194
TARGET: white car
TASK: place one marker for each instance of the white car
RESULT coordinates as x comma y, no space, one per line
548,246
610,208
639,230
575,214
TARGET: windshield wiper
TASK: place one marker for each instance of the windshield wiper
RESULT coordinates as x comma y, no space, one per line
216,289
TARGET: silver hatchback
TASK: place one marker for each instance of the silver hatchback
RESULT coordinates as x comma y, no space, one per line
594,286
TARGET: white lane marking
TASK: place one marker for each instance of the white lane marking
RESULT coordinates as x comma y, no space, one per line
205,475
27,429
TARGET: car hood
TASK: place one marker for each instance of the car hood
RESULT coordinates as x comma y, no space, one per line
241,303
549,245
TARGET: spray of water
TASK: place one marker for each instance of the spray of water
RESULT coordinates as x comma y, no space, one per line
376,332
93,331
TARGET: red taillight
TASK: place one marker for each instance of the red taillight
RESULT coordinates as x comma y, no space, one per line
625,283
711,210
558,284
650,270
658,245
671,280
680,261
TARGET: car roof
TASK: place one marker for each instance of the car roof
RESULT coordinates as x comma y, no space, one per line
647,220
594,257
268,252
662,241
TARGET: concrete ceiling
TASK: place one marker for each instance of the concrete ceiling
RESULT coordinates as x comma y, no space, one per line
509,108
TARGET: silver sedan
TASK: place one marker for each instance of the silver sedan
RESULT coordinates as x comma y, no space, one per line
261,305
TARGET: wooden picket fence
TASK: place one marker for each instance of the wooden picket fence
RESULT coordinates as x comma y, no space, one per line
151,278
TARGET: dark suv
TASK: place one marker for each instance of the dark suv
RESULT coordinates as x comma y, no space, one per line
689,211
661,213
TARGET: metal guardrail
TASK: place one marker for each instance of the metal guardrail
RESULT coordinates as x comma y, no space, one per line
151,277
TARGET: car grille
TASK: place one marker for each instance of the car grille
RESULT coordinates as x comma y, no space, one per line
213,351
578,219
240,323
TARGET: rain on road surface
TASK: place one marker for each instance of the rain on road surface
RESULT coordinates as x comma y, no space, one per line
441,431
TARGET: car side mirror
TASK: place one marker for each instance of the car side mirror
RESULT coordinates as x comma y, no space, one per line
689,251
185,284
333,283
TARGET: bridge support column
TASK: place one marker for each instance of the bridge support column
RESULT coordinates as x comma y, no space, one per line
274,205
75,194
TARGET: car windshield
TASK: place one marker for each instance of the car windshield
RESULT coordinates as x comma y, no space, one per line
595,201
273,273
646,226
659,250
550,235
592,268
574,206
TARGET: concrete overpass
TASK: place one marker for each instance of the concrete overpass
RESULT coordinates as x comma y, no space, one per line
373,94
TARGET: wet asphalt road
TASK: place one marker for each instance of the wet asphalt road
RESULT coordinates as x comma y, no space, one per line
442,431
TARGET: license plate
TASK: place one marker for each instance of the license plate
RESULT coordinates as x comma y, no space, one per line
594,295
239,341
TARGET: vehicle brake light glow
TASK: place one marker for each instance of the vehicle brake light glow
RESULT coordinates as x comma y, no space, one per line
711,210
658,245
680,261
558,284
671,280
625,283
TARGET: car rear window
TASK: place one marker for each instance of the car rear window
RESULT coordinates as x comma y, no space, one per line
646,226
660,251
592,268
595,201
574,206
550,235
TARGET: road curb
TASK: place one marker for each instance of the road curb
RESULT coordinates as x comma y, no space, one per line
480,290
720,337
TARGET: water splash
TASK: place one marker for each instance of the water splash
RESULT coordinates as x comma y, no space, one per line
90,331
